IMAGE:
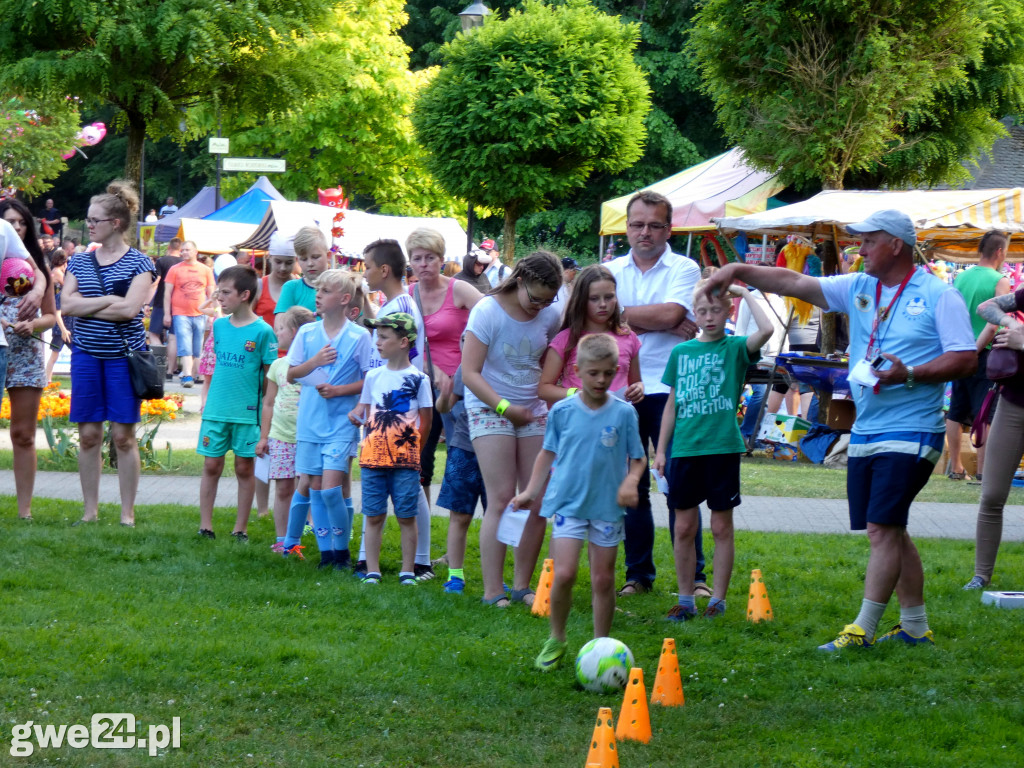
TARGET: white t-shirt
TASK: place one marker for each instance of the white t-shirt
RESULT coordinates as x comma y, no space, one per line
403,302
514,349
670,281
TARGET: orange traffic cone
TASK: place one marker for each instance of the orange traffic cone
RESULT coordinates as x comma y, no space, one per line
603,753
758,606
634,719
542,600
668,685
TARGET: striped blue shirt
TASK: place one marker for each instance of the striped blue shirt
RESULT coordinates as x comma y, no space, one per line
103,338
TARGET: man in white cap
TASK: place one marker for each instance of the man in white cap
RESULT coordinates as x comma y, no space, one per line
909,334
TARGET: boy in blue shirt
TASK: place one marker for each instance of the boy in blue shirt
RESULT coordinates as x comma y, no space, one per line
699,424
329,358
600,434
244,346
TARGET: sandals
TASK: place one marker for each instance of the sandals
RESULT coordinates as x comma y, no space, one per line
633,587
501,601
958,476
524,596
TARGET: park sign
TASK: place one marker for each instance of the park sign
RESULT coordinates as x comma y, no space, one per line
254,164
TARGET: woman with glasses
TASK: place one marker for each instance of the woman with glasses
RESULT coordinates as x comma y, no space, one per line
106,290
25,367
507,334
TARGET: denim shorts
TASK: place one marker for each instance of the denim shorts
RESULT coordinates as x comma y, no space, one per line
314,458
216,438
484,422
189,331
102,390
402,485
601,533
463,484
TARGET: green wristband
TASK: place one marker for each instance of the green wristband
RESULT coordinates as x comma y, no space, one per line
502,406
571,391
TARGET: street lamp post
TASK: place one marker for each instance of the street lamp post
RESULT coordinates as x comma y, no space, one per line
472,16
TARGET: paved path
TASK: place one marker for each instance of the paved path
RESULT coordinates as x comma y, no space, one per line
757,513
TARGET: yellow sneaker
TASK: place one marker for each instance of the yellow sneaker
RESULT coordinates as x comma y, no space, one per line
852,636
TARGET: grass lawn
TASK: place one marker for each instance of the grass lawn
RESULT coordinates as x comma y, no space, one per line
270,663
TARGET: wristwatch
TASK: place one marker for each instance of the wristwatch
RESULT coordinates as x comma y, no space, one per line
910,377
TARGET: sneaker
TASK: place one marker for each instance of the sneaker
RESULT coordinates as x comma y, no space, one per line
898,633
277,548
342,560
206,533
700,589
408,581
240,536
454,586
294,551
187,382
359,569
423,572
681,613
326,559
975,583
371,579
713,611
851,636
550,655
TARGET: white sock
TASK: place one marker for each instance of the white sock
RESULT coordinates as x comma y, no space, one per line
869,616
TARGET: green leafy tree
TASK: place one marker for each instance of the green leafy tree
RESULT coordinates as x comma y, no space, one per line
33,136
528,108
356,129
821,89
152,58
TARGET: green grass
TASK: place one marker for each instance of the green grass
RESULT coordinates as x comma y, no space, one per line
270,663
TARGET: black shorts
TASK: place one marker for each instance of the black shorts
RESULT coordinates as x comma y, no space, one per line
715,479
156,322
968,394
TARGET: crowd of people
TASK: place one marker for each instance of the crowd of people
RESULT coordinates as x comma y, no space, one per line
552,386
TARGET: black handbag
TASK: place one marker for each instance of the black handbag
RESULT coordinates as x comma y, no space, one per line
147,381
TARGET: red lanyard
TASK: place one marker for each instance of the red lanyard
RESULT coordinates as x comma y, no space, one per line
883,314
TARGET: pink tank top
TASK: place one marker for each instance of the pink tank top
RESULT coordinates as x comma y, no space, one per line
444,329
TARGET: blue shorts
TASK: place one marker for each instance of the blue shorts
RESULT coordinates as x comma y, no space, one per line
885,472
102,390
314,458
189,331
696,479
463,484
402,485
216,438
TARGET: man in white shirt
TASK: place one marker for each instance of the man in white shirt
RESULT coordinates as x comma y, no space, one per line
655,292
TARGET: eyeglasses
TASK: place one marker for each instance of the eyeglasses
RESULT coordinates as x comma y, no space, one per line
639,226
94,222
534,300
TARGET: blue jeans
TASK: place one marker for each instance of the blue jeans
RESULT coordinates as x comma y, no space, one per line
750,422
189,331
639,544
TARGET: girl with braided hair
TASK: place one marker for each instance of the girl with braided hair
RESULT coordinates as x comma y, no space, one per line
508,331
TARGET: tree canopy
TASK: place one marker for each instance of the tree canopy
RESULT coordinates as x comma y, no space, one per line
33,136
355,130
153,58
527,108
822,89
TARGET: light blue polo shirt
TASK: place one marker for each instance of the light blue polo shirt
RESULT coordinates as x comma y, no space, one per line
929,319
325,420
593,449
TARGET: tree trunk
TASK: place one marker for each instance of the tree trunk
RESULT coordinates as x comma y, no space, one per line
829,266
133,155
508,245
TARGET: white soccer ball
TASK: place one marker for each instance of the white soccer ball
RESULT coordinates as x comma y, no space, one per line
603,665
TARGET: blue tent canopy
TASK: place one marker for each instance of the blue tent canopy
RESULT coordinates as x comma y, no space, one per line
199,206
250,207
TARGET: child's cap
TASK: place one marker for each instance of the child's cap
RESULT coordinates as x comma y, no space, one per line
403,323
281,245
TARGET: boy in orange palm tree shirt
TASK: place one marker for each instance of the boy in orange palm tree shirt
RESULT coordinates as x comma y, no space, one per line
396,404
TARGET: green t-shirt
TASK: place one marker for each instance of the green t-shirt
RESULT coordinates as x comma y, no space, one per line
236,390
286,404
976,285
707,379
296,292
